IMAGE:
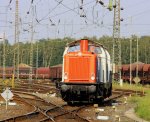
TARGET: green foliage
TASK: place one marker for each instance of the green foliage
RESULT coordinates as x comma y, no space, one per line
143,106
136,87
50,51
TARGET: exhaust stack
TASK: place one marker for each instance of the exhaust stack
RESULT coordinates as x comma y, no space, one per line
84,45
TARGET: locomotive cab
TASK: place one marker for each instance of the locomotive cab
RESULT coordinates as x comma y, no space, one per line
86,74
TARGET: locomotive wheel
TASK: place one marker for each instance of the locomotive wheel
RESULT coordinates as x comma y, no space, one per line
100,100
70,103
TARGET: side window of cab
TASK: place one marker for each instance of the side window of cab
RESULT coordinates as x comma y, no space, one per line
95,49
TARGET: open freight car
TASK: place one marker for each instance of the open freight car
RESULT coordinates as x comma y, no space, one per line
43,73
56,72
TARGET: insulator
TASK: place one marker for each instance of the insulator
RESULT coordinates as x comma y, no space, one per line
10,1
121,19
109,8
37,20
101,2
83,15
114,6
25,30
121,8
52,24
110,5
81,7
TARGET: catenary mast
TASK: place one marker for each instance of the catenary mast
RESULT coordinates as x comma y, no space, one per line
116,40
16,42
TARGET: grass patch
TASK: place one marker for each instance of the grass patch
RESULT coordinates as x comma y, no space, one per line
136,87
143,106
142,103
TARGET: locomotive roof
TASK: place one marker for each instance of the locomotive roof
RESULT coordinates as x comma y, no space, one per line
90,42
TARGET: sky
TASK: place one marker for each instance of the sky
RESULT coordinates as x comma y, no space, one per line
62,18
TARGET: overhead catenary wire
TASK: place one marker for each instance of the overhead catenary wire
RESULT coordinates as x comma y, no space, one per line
136,3
43,18
89,22
103,16
61,13
85,21
138,14
66,6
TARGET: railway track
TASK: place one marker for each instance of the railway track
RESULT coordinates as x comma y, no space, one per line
69,113
118,93
65,113
45,111
33,88
26,95
33,109
34,115
48,111
128,92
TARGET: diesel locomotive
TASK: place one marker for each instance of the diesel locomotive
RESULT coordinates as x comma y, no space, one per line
86,72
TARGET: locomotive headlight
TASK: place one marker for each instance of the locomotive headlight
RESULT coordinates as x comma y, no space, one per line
66,76
92,76
79,54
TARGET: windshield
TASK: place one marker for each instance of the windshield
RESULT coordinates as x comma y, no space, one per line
74,48
91,48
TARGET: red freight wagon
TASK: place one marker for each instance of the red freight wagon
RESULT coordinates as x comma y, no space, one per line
25,71
56,72
43,72
146,72
126,72
8,72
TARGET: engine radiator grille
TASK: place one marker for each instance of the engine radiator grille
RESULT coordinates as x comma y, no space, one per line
79,68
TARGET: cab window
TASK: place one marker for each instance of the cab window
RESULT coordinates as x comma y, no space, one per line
94,49
75,48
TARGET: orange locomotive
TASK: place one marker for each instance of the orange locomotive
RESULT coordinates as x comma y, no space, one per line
86,74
